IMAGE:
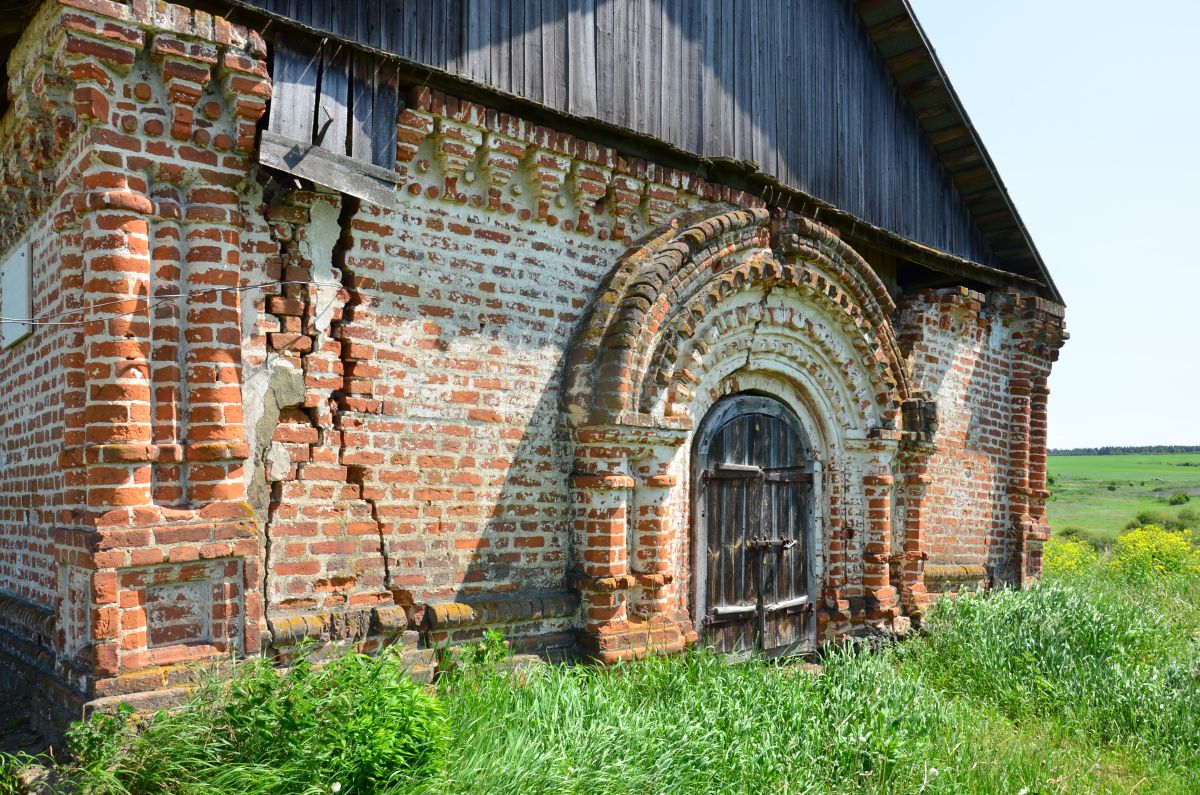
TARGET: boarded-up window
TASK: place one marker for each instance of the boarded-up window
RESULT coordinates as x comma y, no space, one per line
16,294
333,117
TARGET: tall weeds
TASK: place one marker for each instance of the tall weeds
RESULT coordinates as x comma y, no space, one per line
689,724
356,725
1087,682
1077,653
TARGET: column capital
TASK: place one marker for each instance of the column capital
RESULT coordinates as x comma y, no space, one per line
112,201
601,482
642,433
659,481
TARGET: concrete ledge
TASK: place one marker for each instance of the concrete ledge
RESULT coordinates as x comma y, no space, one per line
31,620
955,571
454,615
147,701
355,623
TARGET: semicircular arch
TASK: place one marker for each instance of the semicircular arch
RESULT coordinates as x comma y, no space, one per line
627,355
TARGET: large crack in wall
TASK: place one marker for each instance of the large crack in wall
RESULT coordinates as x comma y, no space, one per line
356,474
305,237
301,421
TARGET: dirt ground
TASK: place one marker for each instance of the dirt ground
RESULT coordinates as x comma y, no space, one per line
16,733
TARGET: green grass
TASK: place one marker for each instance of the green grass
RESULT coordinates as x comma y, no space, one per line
1088,658
356,724
924,717
1086,683
1082,497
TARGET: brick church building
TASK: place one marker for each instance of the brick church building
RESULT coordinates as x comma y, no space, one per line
619,325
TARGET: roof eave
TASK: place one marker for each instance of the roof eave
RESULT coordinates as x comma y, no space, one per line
892,25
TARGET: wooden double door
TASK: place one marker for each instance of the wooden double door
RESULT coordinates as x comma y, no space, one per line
753,528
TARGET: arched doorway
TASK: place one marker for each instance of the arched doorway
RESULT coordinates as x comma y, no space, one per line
752,481
737,304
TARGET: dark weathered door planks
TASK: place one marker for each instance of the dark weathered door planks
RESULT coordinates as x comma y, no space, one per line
754,480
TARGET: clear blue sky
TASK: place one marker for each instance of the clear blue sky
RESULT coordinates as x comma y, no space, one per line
1091,112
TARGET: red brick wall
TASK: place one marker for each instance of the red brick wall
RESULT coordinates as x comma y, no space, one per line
130,130
973,354
445,443
961,355
33,382
426,459
378,436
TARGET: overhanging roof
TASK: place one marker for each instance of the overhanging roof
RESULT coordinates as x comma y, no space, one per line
922,80
919,76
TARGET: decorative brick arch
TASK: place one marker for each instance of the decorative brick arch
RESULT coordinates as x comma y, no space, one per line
852,352
607,359
685,314
648,310
796,351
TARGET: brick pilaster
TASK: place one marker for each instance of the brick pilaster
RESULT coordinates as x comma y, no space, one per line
653,534
212,359
154,572
909,561
883,603
623,536
601,526
117,447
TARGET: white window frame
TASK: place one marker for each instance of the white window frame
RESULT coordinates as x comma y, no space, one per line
16,294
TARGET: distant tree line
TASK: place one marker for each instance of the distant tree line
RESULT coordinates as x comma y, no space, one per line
1155,449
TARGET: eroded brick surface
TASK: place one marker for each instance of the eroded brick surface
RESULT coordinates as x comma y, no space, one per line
471,408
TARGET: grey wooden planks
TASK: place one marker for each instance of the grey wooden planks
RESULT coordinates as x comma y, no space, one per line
797,86
581,58
362,107
387,107
295,92
344,101
374,184
332,124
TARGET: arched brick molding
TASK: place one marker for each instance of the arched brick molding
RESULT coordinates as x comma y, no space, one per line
711,306
659,292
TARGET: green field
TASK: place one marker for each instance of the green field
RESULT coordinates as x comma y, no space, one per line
1101,493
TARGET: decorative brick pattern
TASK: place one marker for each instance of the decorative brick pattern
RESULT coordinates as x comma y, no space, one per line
139,123
472,407
977,356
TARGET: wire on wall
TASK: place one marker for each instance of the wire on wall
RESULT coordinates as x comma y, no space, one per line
46,320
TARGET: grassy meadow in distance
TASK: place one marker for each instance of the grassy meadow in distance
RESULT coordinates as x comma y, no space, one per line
1102,493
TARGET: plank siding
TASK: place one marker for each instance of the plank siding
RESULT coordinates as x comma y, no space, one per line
333,110
800,88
